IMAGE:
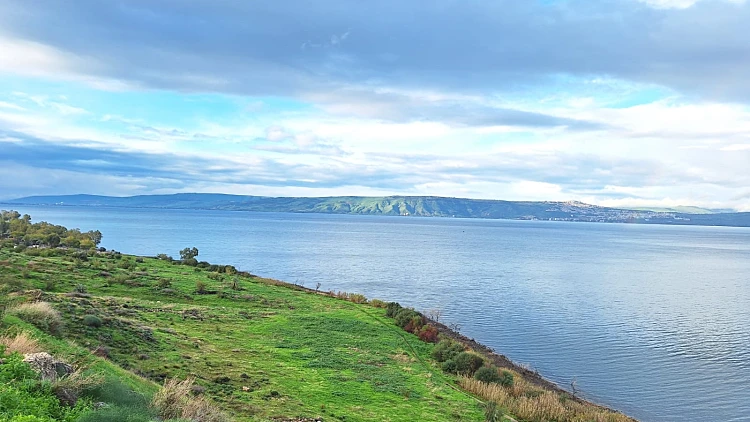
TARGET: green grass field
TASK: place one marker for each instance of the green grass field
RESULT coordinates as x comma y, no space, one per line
261,351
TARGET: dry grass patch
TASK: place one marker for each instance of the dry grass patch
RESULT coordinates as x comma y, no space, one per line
22,343
531,404
175,401
41,314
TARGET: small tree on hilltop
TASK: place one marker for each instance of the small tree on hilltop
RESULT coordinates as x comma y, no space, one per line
188,253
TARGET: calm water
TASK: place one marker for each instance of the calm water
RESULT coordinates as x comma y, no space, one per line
651,320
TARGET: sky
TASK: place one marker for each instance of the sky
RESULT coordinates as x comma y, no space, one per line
609,102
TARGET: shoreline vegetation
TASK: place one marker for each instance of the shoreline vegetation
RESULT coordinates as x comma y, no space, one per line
158,338
413,206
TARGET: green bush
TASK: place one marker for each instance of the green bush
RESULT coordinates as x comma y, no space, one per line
465,363
405,316
92,321
488,374
506,379
391,309
492,412
200,287
190,261
449,366
446,350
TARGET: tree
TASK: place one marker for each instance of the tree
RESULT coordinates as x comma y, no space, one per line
188,253
96,237
53,240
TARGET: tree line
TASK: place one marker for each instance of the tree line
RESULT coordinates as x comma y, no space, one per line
19,230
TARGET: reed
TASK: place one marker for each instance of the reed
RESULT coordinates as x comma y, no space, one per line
529,403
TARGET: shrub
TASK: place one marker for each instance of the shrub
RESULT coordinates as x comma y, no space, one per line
488,374
428,334
492,413
377,303
9,283
414,324
447,350
80,288
21,343
449,366
357,298
121,279
200,287
465,363
50,285
92,321
40,314
190,261
392,308
164,283
69,388
216,276
405,316
506,379
164,257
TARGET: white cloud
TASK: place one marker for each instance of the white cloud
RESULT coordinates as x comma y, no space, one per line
7,105
29,58
680,4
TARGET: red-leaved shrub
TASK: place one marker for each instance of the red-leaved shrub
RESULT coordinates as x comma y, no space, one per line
429,334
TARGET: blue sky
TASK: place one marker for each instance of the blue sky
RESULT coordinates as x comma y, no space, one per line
616,102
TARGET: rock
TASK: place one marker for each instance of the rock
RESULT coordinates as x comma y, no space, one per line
48,367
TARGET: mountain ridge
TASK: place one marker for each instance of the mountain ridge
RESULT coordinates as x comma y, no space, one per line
398,205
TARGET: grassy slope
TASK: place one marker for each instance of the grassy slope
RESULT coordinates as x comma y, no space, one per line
286,353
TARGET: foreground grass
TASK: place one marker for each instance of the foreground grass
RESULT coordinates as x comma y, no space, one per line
262,352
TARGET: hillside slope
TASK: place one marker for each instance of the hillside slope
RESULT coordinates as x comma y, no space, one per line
260,349
261,352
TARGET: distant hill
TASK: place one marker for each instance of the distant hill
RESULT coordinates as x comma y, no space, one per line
424,206
683,210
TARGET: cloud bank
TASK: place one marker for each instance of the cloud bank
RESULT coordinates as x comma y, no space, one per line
619,102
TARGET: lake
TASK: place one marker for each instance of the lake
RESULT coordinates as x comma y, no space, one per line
651,320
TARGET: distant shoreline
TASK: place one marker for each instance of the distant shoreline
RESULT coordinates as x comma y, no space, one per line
704,220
